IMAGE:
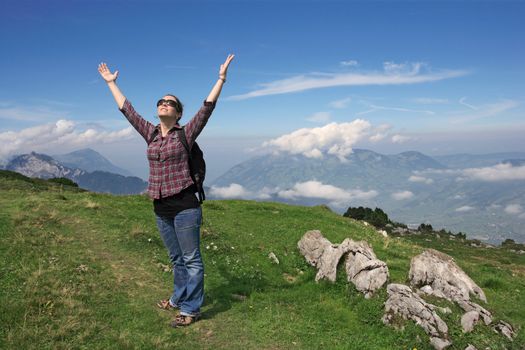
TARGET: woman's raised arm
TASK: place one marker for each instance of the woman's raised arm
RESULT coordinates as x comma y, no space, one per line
223,71
111,79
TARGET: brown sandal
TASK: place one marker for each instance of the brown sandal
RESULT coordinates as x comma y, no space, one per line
183,321
165,305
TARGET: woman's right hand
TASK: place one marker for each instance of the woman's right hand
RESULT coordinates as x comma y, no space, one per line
106,74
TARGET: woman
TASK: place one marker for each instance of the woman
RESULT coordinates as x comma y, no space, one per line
177,210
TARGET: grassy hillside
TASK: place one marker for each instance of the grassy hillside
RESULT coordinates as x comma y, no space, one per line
84,271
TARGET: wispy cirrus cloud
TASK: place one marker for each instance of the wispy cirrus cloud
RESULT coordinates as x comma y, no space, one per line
462,102
375,108
56,137
483,111
392,74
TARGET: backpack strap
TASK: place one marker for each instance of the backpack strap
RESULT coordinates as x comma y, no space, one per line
153,135
184,141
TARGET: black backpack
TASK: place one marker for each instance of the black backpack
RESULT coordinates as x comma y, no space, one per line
195,161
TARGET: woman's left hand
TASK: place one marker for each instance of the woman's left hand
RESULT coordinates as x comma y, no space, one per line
224,67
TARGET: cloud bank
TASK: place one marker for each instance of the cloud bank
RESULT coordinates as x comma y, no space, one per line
56,137
236,191
495,173
335,195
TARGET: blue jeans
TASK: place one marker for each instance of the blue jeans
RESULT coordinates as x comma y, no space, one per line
181,236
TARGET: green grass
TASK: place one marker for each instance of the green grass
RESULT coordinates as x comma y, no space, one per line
80,270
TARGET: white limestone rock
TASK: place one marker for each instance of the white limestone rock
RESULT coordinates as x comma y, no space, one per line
404,302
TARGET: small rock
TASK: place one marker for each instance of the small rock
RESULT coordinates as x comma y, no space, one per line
469,320
273,258
470,347
383,233
239,297
439,343
505,329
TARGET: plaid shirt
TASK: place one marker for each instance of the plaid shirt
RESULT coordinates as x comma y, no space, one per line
169,172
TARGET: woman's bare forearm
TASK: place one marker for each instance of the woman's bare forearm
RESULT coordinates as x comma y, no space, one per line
215,91
117,94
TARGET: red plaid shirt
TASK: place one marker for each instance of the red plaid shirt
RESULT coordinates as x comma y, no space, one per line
169,172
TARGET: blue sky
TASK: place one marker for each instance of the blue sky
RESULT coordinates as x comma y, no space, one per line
437,77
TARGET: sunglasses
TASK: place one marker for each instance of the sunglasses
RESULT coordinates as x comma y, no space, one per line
170,103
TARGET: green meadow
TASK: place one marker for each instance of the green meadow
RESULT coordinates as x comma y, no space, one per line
81,270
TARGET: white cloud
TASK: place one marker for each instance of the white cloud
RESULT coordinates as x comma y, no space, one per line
56,137
392,74
334,138
349,63
402,195
513,209
415,178
499,172
380,132
238,191
232,191
339,104
464,208
400,138
315,189
320,117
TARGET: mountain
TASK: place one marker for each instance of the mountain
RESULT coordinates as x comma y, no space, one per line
46,167
89,160
363,169
410,186
41,166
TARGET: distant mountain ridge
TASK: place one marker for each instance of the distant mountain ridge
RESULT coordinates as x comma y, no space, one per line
410,186
362,169
89,160
46,167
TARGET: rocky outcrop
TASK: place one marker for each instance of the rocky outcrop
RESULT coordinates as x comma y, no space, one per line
363,268
445,279
505,329
322,254
437,274
404,302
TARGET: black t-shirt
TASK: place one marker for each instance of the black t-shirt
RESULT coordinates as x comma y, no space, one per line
172,205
